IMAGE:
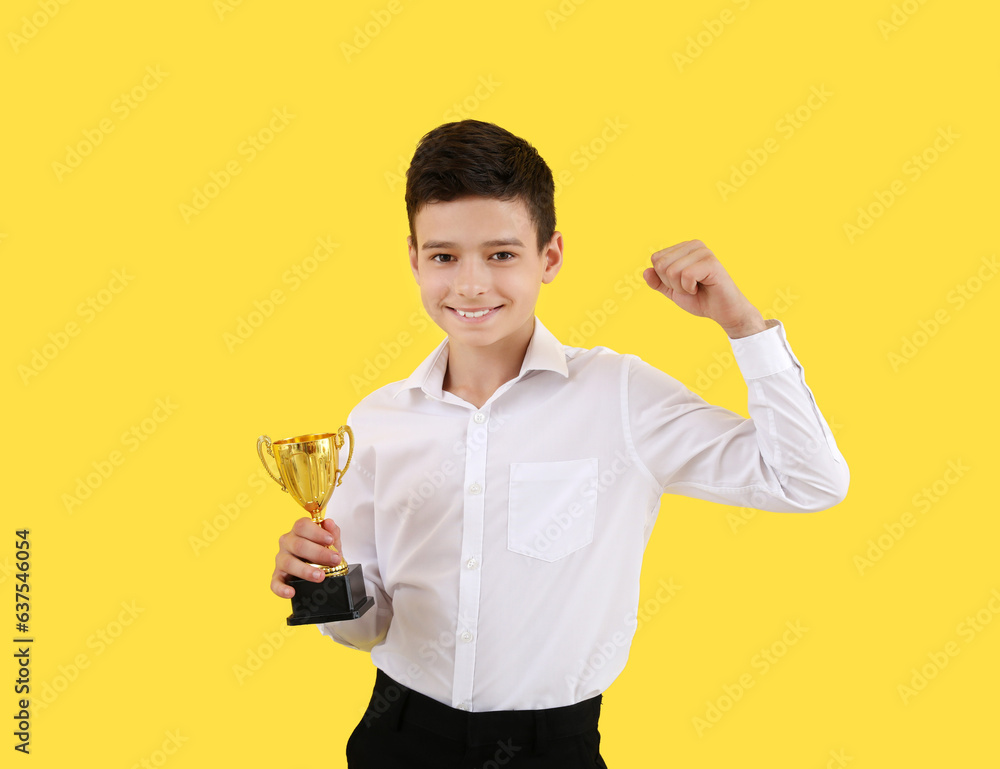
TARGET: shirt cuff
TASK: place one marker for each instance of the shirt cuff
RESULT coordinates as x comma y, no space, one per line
763,353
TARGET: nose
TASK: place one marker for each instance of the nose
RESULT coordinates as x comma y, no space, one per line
471,277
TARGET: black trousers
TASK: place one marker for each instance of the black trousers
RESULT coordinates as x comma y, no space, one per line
404,728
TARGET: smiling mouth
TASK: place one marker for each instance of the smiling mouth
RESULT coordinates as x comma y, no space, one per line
475,314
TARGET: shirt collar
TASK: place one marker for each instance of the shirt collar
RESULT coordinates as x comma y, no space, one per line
544,352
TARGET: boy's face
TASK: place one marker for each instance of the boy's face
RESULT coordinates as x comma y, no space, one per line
477,254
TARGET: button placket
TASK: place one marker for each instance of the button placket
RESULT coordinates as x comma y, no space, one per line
473,509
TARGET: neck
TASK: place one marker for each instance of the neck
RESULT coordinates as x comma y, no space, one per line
474,372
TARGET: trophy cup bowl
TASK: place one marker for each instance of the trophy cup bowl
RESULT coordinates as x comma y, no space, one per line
309,471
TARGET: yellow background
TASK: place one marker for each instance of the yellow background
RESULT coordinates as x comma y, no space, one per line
556,74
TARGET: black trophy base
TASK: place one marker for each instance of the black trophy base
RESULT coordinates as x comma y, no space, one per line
334,599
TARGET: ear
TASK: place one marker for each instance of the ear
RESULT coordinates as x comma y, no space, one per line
552,257
411,247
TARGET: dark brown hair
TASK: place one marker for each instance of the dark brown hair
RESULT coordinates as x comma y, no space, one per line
470,157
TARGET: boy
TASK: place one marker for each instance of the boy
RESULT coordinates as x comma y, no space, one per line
500,498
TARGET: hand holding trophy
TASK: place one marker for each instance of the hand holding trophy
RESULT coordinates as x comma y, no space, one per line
309,470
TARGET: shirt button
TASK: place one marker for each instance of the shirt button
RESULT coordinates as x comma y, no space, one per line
480,417
463,706
472,563
466,636
475,488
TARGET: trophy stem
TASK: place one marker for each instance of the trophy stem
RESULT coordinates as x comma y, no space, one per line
329,571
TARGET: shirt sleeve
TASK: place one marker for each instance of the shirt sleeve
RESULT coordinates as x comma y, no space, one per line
783,458
352,507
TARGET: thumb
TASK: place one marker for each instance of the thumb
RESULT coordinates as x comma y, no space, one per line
334,529
654,281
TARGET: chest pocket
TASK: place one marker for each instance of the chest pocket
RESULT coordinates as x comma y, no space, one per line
552,507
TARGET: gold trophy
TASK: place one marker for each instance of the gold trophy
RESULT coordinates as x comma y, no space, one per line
309,470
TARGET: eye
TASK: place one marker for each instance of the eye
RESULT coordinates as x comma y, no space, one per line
506,256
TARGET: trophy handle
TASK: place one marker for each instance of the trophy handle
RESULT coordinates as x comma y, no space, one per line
264,440
350,453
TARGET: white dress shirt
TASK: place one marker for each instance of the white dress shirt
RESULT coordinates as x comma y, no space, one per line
503,544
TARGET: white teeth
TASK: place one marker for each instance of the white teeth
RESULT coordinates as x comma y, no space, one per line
479,314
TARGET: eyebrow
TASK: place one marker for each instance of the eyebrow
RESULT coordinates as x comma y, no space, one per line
485,244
